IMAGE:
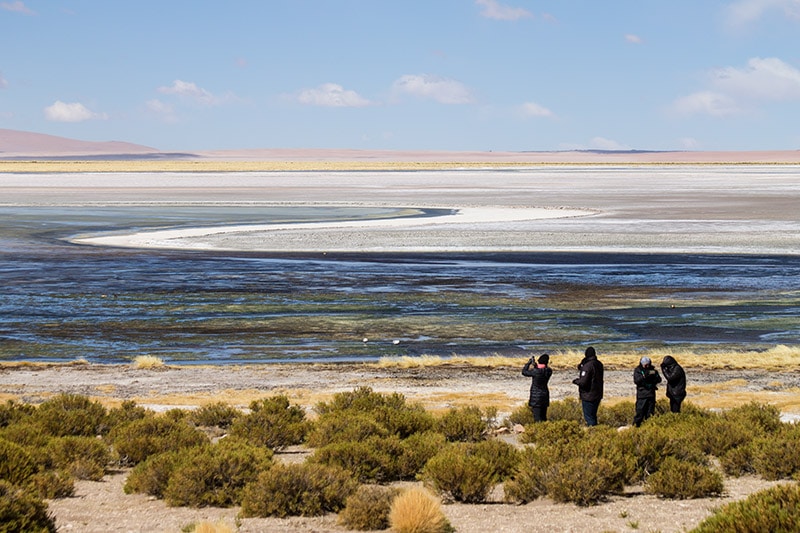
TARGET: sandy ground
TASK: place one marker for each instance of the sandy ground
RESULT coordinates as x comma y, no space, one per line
101,507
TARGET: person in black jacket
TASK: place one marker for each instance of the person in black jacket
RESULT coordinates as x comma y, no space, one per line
540,374
590,385
646,378
676,382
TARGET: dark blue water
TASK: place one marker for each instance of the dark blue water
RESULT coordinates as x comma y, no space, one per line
61,301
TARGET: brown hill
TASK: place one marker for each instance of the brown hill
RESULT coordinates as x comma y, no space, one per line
16,144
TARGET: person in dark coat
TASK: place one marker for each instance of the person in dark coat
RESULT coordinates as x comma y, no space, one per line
540,373
646,378
676,382
590,385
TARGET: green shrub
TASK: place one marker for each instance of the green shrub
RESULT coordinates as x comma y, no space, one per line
738,461
136,441
152,475
12,412
527,482
556,432
128,411
338,426
566,409
368,508
757,417
272,422
617,415
390,412
72,414
581,480
20,510
522,415
52,484
460,475
501,456
467,424
16,464
297,490
216,414
215,475
776,509
416,451
27,432
777,456
367,460
83,457
684,480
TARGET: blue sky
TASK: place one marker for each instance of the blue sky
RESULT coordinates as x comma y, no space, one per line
497,75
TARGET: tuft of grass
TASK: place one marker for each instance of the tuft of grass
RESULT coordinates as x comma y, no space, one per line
147,362
418,511
208,527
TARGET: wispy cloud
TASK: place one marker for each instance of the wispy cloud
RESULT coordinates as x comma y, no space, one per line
71,112
745,12
162,110
17,7
734,90
190,91
492,9
633,39
532,109
331,95
601,143
425,86
3,82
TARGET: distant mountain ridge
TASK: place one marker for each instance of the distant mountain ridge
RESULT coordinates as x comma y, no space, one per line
15,144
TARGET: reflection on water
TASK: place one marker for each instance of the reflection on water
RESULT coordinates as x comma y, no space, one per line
62,302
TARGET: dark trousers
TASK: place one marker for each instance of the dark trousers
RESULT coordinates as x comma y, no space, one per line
590,412
645,407
675,405
539,413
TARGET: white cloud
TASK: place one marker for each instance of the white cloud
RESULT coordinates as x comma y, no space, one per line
492,9
744,12
162,110
17,7
442,90
601,143
331,95
3,82
706,103
688,143
532,109
634,39
762,79
73,112
191,91
733,90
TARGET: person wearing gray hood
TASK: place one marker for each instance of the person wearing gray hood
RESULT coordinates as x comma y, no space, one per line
676,382
646,378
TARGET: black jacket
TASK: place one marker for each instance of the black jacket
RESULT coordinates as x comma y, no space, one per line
646,380
590,380
676,378
540,393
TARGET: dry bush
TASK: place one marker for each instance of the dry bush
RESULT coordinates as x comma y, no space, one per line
342,426
52,484
777,456
209,527
297,490
147,362
366,460
417,511
83,457
216,414
556,432
776,509
682,480
527,483
417,451
368,508
616,415
152,475
16,464
521,415
566,409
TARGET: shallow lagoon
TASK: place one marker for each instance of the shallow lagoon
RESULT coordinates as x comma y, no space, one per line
62,302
